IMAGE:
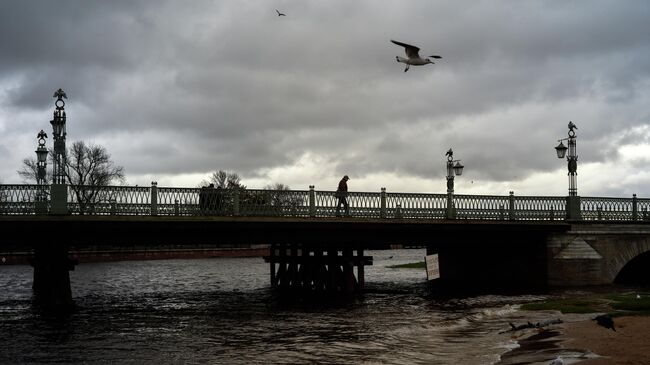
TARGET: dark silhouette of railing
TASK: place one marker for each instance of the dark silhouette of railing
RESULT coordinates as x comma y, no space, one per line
164,201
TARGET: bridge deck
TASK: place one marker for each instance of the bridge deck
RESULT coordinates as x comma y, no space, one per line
127,230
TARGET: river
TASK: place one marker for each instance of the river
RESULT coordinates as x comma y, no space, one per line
222,311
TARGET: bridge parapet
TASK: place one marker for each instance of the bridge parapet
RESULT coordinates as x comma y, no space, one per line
166,201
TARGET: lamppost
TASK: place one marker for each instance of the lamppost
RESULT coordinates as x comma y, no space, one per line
573,200
59,189
41,164
452,170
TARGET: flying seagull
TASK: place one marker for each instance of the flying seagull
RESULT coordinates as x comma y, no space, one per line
279,13
413,56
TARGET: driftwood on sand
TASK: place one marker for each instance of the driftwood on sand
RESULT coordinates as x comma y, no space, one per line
538,325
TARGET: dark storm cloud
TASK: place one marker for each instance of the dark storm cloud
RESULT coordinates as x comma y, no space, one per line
177,88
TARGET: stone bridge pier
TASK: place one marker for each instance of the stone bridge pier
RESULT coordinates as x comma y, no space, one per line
599,254
583,254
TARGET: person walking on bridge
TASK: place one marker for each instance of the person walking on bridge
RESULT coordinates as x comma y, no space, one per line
342,195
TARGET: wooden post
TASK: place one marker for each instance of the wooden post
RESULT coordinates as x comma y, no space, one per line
281,275
360,270
348,271
274,279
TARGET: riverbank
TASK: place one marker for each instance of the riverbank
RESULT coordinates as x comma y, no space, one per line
629,344
580,340
88,256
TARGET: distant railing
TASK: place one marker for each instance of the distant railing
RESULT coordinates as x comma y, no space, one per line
163,201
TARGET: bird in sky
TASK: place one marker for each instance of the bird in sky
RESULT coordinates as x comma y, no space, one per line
279,13
414,59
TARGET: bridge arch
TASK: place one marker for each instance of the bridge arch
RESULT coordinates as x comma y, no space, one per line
636,271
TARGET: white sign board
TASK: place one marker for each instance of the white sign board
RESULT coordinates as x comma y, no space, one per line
433,271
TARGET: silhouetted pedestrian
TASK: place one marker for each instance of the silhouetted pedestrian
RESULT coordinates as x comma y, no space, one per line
342,195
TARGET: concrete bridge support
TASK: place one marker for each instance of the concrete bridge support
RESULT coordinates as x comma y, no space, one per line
489,262
317,269
51,283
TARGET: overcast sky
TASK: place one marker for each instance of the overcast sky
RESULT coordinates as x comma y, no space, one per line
178,89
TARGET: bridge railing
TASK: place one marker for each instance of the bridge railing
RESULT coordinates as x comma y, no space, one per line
613,209
154,200
109,200
481,207
414,205
539,208
21,199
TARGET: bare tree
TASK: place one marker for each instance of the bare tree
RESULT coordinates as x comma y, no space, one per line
88,167
218,193
224,180
29,171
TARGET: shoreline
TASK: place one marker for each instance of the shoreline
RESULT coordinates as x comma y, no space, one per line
82,256
580,340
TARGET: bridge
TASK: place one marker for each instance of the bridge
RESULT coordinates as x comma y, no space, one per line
482,241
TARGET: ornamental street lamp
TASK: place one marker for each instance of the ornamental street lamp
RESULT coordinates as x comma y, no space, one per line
573,200
59,189
452,170
41,165
41,158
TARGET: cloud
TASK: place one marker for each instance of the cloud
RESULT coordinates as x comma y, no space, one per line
175,92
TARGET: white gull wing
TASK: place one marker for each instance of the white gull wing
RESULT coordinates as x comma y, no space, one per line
411,51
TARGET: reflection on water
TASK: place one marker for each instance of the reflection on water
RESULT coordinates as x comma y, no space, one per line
223,311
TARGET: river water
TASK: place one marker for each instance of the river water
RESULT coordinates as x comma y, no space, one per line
222,311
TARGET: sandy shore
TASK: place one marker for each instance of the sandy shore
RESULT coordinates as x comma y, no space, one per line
580,340
630,344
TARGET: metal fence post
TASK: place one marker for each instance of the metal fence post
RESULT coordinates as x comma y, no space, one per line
502,212
312,201
113,204
382,203
176,207
634,208
511,206
154,198
235,202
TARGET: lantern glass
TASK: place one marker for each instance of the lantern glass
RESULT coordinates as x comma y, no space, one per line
561,150
458,168
41,154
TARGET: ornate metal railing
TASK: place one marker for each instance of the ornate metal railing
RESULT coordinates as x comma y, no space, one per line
410,205
614,209
154,200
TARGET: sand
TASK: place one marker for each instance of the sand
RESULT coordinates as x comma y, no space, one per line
580,340
630,344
